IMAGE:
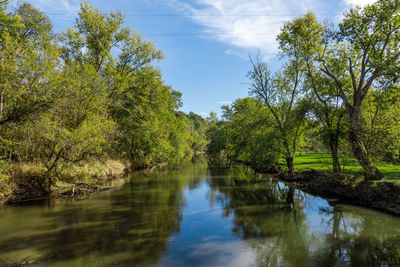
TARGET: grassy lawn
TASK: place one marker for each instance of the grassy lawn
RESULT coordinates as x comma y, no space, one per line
323,161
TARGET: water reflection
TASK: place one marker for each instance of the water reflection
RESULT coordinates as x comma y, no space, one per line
199,215
286,227
132,225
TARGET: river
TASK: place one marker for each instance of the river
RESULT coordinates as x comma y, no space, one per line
199,214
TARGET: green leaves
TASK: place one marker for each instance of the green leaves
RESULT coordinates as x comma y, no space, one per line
93,92
248,135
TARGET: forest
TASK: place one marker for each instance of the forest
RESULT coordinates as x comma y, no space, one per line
91,94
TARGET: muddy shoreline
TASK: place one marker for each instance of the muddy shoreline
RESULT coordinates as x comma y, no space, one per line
381,196
32,190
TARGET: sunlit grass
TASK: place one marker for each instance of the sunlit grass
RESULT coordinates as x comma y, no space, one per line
323,161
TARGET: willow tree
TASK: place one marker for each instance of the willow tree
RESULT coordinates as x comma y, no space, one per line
28,63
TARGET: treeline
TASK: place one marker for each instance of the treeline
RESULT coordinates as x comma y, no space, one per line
337,87
90,92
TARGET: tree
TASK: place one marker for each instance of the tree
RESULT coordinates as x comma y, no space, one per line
150,132
248,134
198,126
28,65
281,95
304,38
363,52
381,124
77,127
93,40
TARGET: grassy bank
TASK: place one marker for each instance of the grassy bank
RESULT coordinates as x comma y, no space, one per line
25,181
314,175
323,162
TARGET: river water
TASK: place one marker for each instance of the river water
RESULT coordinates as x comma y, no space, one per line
199,214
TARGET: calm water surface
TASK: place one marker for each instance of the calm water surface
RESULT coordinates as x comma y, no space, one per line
199,215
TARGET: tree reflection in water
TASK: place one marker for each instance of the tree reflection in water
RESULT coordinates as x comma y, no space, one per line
199,214
273,219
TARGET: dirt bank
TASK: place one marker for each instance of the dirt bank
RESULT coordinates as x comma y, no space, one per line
382,196
27,184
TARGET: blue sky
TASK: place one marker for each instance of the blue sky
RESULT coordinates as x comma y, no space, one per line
205,42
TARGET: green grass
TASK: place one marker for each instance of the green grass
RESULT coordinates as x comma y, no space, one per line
323,161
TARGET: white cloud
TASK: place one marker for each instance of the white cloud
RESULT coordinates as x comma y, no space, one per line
239,53
361,3
249,25
224,102
59,8
254,25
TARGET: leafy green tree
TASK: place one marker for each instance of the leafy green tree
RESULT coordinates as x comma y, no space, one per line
77,127
93,40
381,124
150,131
143,107
303,38
198,126
363,52
281,94
29,61
250,135
29,73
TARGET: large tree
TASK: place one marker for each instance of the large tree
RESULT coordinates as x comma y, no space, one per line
281,95
304,38
364,53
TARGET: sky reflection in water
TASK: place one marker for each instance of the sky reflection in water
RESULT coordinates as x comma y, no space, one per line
199,215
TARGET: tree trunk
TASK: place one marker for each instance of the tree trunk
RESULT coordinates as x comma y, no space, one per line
334,146
371,172
289,164
290,195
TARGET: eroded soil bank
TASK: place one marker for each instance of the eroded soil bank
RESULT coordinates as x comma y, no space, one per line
382,196
29,185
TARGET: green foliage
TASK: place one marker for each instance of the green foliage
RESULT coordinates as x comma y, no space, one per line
150,132
337,85
248,135
198,126
217,135
281,93
92,92
381,124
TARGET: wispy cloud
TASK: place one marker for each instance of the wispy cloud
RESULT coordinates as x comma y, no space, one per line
254,25
248,25
361,3
59,8
239,53
224,102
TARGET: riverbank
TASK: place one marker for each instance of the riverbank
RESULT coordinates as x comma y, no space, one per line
26,182
382,196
